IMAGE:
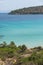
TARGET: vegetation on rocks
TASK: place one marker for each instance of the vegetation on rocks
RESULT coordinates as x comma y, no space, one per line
28,10
10,54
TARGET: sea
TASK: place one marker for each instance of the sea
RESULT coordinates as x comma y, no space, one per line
22,29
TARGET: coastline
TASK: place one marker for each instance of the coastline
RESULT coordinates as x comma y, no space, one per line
16,55
28,10
23,29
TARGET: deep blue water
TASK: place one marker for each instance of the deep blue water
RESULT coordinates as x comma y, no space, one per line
22,29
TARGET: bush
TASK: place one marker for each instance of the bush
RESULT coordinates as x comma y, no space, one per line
3,58
22,48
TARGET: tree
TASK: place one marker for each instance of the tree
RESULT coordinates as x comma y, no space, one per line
23,48
12,44
4,44
20,47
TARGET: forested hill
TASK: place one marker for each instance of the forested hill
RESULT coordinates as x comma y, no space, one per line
29,10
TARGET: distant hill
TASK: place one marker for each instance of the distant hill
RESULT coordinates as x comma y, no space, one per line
29,10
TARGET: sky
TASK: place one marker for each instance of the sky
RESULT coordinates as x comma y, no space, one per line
8,5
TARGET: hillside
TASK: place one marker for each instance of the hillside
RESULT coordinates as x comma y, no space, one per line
10,54
29,10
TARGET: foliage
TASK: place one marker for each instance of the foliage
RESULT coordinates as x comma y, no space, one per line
34,59
22,48
11,51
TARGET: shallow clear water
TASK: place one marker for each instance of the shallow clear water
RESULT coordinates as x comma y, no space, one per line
22,29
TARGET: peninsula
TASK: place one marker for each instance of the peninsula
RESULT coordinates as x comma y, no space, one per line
28,10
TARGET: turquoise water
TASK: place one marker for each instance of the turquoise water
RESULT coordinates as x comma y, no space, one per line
22,29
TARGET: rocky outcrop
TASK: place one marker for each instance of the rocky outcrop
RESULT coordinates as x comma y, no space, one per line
9,61
29,10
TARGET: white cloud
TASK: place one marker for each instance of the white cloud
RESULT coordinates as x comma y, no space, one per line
1,1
